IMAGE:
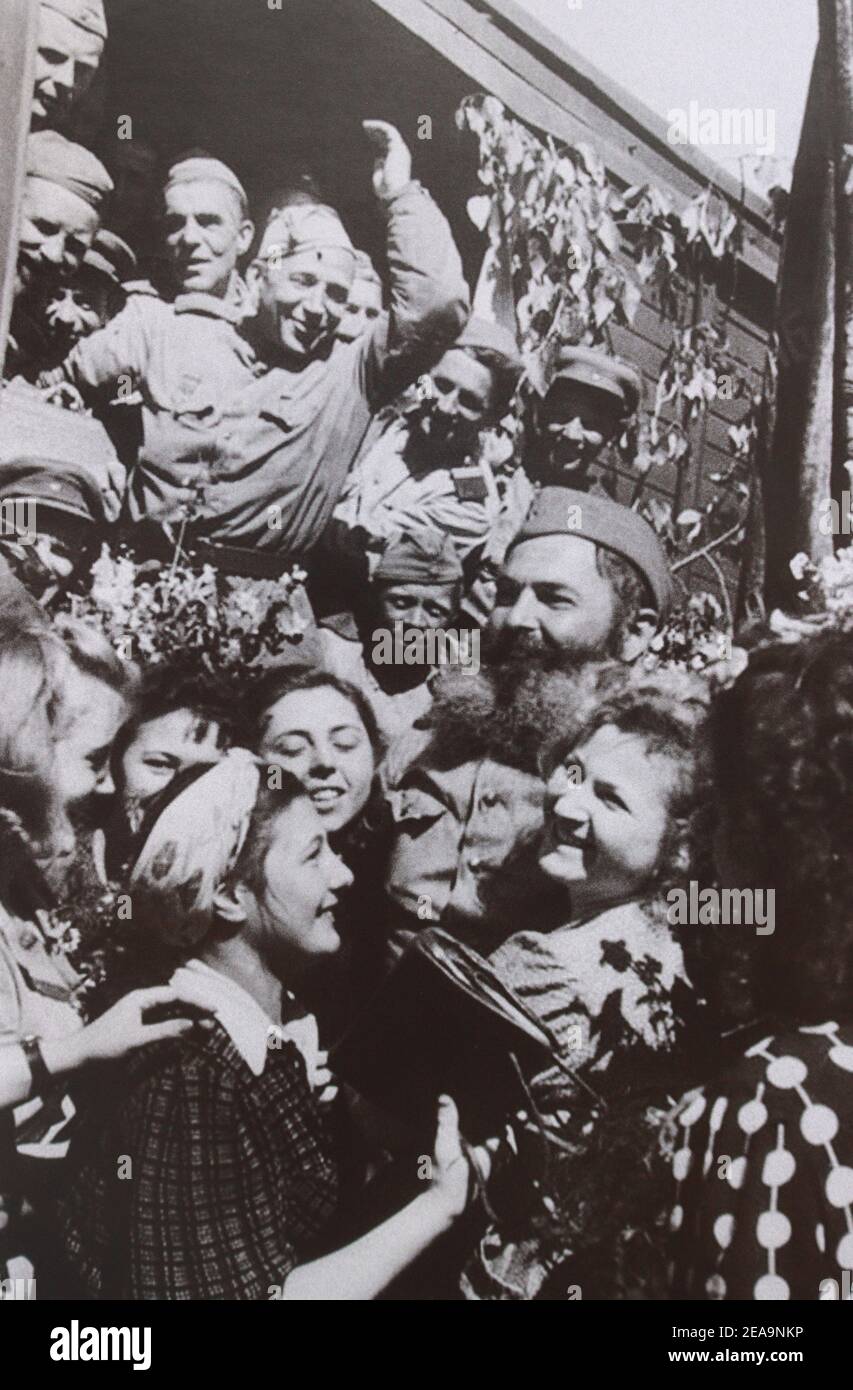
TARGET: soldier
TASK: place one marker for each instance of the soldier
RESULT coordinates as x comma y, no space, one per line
68,513
585,580
422,468
206,228
63,198
71,38
268,450
92,297
589,399
365,301
415,587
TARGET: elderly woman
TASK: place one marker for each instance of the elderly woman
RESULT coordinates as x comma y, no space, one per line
763,1161
234,1177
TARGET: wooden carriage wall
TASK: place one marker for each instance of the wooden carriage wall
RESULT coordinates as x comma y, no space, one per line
278,86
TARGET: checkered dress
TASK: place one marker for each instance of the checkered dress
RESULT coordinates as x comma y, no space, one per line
229,1182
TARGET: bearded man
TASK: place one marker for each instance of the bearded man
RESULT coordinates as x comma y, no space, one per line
586,580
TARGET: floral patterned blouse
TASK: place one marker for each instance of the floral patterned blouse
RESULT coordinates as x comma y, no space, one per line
763,1170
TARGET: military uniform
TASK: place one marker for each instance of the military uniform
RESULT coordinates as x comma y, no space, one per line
273,439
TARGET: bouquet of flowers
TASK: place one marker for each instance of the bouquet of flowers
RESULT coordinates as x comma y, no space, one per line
222,623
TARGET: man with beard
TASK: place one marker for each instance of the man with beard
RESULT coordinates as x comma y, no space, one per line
422,467
415,588
71,38
64,193
585,580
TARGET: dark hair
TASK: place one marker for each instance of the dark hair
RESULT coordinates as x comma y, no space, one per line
167,687
274,685
630,591
782,747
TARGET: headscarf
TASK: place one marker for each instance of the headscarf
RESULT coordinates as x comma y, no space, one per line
194,841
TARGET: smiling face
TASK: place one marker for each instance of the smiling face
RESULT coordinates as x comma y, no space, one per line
576,422
459,405
159,750
292,915
67,59
361,311
85,739
552,598
302,298
607,813
318,735
205,234
57,228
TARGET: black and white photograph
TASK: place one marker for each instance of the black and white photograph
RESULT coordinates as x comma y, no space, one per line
426,666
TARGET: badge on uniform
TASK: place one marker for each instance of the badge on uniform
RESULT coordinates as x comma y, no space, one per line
470,484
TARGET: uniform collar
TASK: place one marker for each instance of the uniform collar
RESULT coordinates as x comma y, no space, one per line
233,307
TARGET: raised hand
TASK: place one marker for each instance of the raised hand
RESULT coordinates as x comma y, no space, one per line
392,165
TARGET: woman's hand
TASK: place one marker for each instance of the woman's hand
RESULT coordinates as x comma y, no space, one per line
451,1167
392,166
123,1028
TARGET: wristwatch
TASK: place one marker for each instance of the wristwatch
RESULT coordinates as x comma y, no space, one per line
41,1078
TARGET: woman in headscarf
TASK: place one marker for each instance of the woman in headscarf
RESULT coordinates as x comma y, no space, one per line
234,1179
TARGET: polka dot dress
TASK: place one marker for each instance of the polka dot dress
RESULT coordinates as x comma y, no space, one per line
763,1173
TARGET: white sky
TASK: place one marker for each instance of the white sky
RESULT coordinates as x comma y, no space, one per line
734,54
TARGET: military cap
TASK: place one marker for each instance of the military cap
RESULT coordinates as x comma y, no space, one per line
52,485
86,14
604,373
563,511
111,256
424,557
53,158
303,227
197,168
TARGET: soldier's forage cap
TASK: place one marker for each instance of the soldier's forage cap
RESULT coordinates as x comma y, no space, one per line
54,486
482,333
420,557
111,256
303,227
365,269
53,158
203,168
604,373
86,14
563,511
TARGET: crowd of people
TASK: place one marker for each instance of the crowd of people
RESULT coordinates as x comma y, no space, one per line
212,882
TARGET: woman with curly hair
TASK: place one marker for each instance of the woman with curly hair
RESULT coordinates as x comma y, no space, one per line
763,1163
624,795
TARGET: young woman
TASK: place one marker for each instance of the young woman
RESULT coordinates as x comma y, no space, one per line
62,703
323,731
623,793
234,1176
763,1160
